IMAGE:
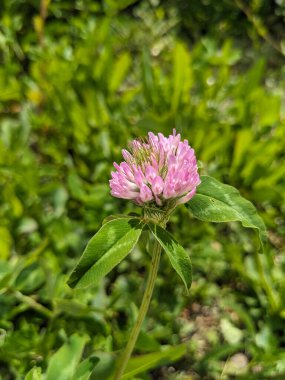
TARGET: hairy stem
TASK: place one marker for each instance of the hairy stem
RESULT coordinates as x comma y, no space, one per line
142,312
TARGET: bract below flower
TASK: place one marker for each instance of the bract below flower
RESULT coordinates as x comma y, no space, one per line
156,171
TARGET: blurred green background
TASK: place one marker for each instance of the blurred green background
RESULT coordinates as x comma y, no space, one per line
78,80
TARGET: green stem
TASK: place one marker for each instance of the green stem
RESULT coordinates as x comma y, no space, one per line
142,312
34,304
264,283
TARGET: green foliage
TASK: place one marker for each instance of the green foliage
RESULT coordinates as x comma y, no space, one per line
217,202
177,255
78,80
63,363
34,374
146,362
105,250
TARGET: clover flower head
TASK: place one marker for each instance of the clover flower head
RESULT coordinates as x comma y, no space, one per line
156,171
